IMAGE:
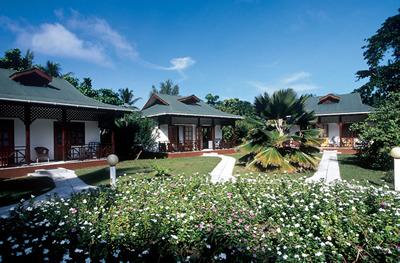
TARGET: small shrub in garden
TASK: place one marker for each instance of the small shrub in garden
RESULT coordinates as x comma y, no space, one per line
182,218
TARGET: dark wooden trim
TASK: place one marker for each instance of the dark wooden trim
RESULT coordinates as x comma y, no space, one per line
154,96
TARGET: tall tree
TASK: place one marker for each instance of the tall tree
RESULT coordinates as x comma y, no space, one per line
135,134
167,87
108,96
126,96
13,60
383,59
212,100
268,146
380,133
53,69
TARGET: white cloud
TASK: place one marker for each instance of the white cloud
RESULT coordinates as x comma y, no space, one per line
285,83
56,40
295,77
100,29
88,38
180,64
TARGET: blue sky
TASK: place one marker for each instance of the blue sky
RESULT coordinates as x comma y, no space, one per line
234,49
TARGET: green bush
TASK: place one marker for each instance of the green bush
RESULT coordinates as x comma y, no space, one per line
380,133
183,218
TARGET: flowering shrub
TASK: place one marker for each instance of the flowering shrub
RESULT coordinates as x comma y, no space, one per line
186,218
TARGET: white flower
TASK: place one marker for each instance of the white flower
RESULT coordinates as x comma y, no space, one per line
222,256
174,237
45,251
318,254
208,246
145,252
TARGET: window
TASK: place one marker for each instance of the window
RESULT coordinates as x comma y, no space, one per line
188,133
77,133
6,133
325,133
347,133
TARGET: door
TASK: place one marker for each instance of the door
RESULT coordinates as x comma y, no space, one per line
58,147
207,136
6,142
75,136
173,134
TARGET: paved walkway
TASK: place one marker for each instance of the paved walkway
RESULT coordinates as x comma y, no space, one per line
328,168
223,171
66,183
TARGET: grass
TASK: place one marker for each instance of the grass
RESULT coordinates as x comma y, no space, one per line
352,169
15,189
145,168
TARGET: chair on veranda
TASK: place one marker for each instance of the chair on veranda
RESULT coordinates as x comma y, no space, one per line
42,153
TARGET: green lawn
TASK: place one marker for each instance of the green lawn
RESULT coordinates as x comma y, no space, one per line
13,190
146,168
351,169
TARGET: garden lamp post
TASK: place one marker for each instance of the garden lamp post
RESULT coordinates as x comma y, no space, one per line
395,152
112,160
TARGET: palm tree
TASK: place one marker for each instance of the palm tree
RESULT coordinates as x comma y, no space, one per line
167,87
53,69
127,97
269,146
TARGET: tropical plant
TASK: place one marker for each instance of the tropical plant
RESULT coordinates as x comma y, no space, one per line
212,100
383,59
135,133
13,60
270,146
126,96
379,133
167,87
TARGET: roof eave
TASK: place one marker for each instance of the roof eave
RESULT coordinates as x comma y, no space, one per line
66,104
342,113
195,115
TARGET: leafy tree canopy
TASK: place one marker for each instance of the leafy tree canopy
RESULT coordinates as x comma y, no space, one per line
135,134
379,133
236,106
167,87
382,54
13,60
85,87
212,100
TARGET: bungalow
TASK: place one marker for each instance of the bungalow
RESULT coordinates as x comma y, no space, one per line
187,123
39,111
335,114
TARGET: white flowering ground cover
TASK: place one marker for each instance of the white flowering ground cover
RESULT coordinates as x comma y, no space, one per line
187,219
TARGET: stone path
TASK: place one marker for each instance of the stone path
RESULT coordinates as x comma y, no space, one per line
66,183
223,171
328,168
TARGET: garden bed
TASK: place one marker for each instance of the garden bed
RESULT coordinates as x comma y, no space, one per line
185,218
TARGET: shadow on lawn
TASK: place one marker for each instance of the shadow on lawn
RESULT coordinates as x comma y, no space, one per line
103,174
353,160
